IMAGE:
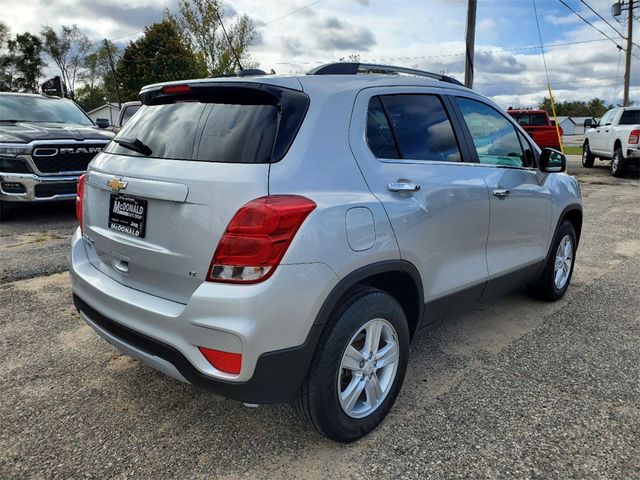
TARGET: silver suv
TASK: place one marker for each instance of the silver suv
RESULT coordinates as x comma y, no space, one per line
285,238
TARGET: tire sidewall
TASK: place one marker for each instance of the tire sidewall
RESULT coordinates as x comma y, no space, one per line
617,168
565,229
587,157
333,421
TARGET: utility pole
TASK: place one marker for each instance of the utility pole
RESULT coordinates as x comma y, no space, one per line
627,69
113,72
471,39
616,11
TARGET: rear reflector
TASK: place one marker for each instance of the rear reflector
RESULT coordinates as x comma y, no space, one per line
257,238
176,89
224,361
80,198
634,136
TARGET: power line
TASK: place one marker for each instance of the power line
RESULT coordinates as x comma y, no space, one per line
589,23
446,55
601,18
289,14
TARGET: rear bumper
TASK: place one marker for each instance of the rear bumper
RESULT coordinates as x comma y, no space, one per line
269,323
633,153
29,187
276,378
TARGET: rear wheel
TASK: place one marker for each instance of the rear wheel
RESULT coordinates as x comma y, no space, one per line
618,164
587,157
358,367
555,278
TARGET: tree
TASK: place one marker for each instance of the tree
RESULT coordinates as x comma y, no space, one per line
68,49
199,24
159,56
26,54
595,107
97,81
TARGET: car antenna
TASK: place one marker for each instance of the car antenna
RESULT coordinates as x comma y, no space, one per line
224,30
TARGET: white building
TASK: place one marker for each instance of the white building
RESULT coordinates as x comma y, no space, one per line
568,125
109,111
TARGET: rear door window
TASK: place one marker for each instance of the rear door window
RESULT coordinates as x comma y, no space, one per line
417,124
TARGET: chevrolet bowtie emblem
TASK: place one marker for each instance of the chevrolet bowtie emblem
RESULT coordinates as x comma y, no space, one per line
116,184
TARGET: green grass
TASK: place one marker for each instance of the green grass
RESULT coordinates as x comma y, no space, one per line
572,150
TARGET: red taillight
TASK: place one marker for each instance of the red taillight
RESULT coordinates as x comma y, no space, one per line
224,361
634,136
176,89
79,198
257,238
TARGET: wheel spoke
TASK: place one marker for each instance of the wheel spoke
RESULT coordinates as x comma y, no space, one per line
352,359
373,390
372,340
387,355
351,394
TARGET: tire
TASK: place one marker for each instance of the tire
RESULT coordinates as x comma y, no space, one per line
587,157
4,213
547,287
619,164
353,321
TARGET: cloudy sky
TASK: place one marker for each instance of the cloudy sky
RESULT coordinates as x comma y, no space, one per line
295,35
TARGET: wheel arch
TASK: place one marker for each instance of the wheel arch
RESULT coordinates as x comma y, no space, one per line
572,213
399,278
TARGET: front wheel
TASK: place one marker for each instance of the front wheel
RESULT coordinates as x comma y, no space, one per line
587,157
358,367
618,164
555,278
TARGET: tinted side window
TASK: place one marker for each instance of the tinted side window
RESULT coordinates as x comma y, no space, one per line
493,135
379,135
422,127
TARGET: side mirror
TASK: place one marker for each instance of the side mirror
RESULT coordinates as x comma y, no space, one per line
552,161
553,122
103,122
588,123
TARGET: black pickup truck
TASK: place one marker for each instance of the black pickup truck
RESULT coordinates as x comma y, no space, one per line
46,143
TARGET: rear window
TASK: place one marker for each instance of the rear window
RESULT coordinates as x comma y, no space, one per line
630,117
214,126
538,119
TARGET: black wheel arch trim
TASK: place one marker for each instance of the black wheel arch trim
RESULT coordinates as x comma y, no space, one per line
573,207
363,273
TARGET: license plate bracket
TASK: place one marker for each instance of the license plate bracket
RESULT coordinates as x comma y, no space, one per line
127,215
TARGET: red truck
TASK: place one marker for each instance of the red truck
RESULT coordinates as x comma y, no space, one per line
538,125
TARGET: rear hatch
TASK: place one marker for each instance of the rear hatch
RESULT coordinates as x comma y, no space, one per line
158,199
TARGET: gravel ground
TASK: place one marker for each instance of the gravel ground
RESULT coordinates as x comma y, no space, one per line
513,388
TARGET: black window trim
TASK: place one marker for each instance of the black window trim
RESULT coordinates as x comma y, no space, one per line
455,126
469,139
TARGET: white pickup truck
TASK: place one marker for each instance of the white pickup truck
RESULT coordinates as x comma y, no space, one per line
615,137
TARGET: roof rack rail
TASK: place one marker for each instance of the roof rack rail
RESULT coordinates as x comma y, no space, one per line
353,68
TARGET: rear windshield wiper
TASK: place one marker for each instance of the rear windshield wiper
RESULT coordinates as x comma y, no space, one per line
134,144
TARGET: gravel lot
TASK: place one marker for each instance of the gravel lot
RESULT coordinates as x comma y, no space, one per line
513,388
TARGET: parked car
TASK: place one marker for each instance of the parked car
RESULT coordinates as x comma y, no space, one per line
45,145
615,137
126,112
539,127
285,238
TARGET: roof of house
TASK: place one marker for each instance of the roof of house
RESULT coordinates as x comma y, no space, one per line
110,105
563,118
